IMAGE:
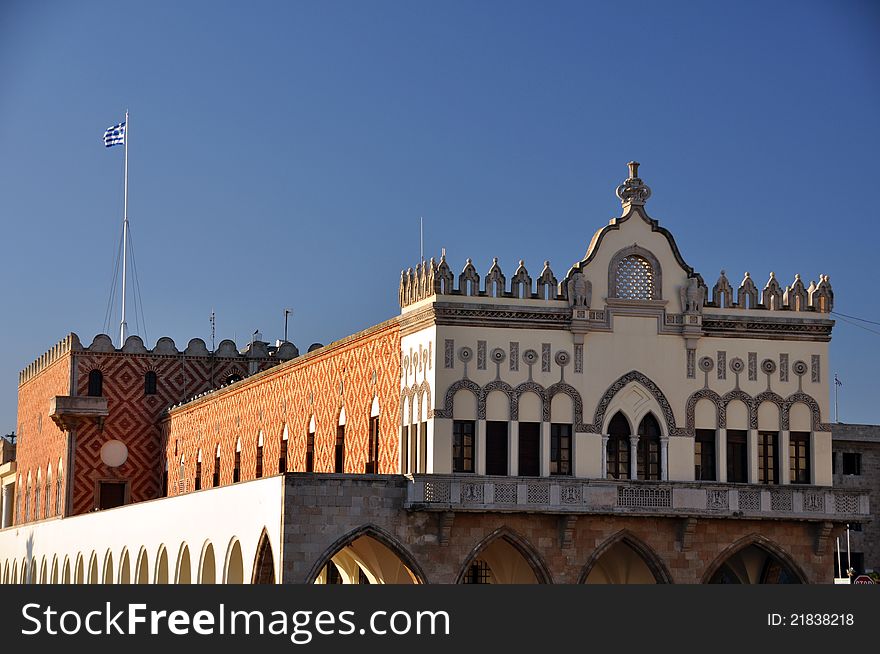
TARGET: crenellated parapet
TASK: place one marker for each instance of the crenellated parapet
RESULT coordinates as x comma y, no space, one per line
69,343
818,297
431,278
165,346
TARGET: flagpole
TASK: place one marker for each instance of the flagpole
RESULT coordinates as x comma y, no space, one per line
122,325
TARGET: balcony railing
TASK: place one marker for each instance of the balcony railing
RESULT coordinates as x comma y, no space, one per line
572,495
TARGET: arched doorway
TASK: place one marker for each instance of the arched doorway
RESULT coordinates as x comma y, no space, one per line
264,563
624,559
503,557
208,567
755,562
234,564
367,556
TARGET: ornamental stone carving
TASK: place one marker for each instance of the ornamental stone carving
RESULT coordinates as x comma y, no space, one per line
580,291
633,191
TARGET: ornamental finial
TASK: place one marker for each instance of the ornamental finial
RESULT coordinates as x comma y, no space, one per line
633,191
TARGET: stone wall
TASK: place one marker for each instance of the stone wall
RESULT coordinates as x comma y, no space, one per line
865,440
321,515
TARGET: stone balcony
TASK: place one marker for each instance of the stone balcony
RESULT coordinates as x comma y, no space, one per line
69,411
569,495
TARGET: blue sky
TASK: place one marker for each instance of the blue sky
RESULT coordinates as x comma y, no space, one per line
282,153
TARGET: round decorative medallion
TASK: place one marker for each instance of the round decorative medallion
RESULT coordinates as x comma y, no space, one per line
768,366
530,357
706,364
562,358
737,365
114,453
465,354
498,355
799,368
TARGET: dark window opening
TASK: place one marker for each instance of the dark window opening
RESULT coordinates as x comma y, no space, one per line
96,383
496,447
111,494
150,383
231,379
236,470
768,470
282,459
529,449
617,454
560,449
799,457
704,455
463,446
423,447
258,471
363,580
404,450
648,452
198,480
310,452
339,453
216,479
737,456
852,463
372,466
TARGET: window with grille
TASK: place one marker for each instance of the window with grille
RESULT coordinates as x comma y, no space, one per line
634,279
648,452
799,457
478,573
617,452
704,455
560,449
463,446
767,468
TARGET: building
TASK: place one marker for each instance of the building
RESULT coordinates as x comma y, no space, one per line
856,466
622,423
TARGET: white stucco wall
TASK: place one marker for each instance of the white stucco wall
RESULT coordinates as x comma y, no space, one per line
220,516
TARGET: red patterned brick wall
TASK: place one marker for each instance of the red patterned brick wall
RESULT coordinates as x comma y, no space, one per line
40,442
348,373
134,418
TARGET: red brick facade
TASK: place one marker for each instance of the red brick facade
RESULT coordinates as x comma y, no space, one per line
41,444
349,373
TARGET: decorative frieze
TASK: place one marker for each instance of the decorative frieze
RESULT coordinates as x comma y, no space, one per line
545,357
481,355
814,369
578,358
753,366
449,353
783,367
514,356
722,364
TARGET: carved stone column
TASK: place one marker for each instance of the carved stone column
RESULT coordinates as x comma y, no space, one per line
664,459
633,457
721,455
6,519
604,456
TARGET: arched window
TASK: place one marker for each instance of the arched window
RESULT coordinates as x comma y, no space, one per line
58,489
231,379
648,463
634,278
258,471
282,457
96,383
150,383
339,451
236,469
215,481
617,456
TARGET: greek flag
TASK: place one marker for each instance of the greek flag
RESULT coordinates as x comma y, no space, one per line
115,135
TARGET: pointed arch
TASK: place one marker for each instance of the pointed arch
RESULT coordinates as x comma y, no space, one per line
263,569
648,385
449,401
142,571
207,564
376,533
646,553
233,564
519,543
761,542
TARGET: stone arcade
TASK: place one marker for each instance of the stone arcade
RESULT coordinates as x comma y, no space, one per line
622,424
